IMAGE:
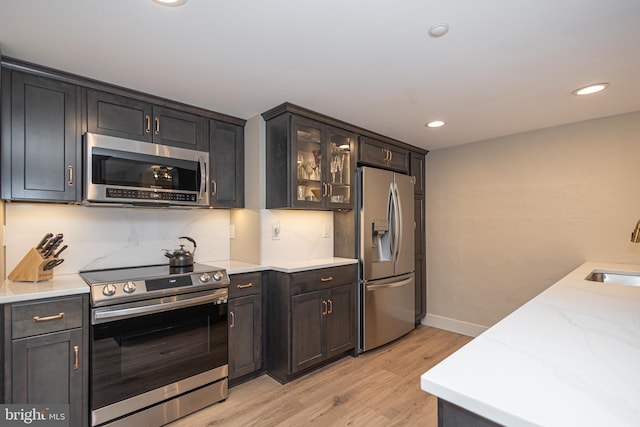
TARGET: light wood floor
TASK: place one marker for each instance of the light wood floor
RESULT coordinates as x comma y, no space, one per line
378,388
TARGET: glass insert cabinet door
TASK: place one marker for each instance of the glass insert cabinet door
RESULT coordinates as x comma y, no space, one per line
339,166
309,171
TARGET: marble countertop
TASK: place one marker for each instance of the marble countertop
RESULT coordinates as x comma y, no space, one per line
570,356
60,285
235,267
69,284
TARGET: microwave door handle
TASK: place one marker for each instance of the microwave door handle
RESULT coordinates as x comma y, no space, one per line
203,178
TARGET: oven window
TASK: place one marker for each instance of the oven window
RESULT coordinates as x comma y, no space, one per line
112,167
136,355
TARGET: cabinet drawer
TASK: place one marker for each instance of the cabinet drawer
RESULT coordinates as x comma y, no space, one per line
307,281
244,284
41,317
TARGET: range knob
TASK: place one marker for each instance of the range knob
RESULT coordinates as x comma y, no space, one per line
217,276
109,290
205,277
129,287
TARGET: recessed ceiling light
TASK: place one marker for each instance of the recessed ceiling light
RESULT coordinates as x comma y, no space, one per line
588,90
439,29
435,124
170,3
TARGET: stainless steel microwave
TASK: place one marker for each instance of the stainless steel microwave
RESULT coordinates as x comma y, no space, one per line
128,172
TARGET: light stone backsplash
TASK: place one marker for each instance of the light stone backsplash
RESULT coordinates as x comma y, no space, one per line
301,236
101,237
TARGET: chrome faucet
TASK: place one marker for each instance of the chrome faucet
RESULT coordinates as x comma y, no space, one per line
635,235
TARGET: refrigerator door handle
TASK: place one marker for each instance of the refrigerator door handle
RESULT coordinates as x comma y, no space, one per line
397,223
389,285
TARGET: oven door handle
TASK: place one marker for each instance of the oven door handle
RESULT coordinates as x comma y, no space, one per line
102,315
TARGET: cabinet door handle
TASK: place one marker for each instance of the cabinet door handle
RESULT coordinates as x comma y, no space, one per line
385,154
70,167
156,121
390,155
324,308
76,358
233,320
214,186
245,286
147,123
330,307
330,189
326,279
44,319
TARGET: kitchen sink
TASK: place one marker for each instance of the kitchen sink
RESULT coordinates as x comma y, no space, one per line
629,279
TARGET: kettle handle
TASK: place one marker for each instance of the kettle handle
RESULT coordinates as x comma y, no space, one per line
191,240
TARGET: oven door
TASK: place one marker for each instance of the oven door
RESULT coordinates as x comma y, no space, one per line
145,354
119,170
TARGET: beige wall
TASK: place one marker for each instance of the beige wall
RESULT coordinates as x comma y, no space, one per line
510,216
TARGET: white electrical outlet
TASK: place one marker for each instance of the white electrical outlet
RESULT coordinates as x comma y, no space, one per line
325,231
232,231
275,231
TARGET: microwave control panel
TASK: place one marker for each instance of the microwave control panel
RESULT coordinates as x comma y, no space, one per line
120,193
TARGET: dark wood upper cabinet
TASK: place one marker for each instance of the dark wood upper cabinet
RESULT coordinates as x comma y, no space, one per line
381,154
120,116
40,138
310,164
226,147
417,171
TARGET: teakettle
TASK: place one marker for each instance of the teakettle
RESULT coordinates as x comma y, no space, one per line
181,257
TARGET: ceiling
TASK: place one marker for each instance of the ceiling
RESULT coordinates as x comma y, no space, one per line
504,67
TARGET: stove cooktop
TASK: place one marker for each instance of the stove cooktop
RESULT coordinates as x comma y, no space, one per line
119,285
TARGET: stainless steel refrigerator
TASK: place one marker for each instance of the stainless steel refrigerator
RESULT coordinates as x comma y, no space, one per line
386,230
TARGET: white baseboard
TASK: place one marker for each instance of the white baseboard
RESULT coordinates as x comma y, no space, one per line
453,325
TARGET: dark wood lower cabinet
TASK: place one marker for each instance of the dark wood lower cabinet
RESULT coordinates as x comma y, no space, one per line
245,327
311,318
450,415
46,360
45,371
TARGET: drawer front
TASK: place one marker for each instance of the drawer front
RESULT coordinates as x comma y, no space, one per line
312,280
245,284
41,317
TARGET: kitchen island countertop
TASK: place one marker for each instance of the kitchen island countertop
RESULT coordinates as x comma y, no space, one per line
570,356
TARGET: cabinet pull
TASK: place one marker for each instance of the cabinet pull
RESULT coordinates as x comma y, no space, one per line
330,307
147,123
324,308
44,319
156,121
330,189
245,286
214,185
70,167
76,361
233,320
326,279
390,155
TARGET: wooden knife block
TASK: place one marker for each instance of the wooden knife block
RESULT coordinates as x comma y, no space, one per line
31,268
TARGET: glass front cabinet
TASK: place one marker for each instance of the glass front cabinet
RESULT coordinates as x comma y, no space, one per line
310,165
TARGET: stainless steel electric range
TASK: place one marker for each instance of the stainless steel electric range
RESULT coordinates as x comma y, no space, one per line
158,343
